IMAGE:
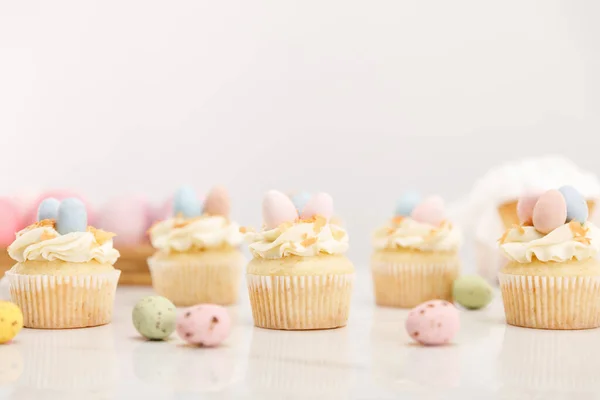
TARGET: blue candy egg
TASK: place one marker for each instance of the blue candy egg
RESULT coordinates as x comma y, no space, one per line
186,202
577,208
72,216
407,202
300,200
48,209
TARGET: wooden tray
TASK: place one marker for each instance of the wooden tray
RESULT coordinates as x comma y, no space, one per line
132,263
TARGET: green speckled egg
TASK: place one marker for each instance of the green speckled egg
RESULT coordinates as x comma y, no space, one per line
472,292
154,317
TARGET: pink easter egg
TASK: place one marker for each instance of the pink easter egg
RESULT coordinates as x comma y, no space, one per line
10,221
217,202
525,206
205,325
319,204
128,217
277,208
60,195
550,211
433,323
430,211
25,200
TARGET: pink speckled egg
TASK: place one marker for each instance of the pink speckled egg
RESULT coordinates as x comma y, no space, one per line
10,221
525,206
204,325
277,208
128,217
217,202
433,323
430,211
319,204
60,195
550,211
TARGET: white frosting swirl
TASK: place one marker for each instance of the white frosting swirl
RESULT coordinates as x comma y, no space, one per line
410,234
567,242
44,243
303,238
180,234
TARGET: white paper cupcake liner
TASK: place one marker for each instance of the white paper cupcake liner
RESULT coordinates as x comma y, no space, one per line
190,283
300,302
407,285
60,302
551,302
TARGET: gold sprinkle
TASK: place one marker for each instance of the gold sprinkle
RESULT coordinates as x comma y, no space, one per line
519,228
397,220
100,235
577,229
504,235
320,223
245,229
51,223
47,236
338,235
309,242
390,231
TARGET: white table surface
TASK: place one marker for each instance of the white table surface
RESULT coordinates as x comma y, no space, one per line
372,358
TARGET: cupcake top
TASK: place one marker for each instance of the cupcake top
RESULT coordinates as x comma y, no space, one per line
288,233
62,234
418,225
554,227
197,226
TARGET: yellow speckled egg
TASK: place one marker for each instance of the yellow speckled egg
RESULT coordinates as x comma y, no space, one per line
11,321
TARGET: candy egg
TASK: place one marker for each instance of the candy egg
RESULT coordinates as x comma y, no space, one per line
430,211
407,202
434,322
300,199
154,317
217,202
577,208
277,208
320,204
9,221
11,321
550,211
72,216
525,206
128,217
48,209
186,202
59,195
472,292
204,325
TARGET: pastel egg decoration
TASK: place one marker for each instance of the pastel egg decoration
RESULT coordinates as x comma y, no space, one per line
407,202
154,317
433,323
525,205
186,203
319,204
472,292
60,195
205,325
48,209
577,208
10,221
72,216
300,199
11,321
277,208
549,212
431,211
217,202
127,216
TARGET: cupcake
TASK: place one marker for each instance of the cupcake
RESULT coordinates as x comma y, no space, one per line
416,254
552,279
491,206
299,277
64,276
197,258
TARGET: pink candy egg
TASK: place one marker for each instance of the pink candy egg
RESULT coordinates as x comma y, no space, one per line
204,325
433,323
217,202
10,221
550,211
525,206
277,208
320,204
128,217
430,211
